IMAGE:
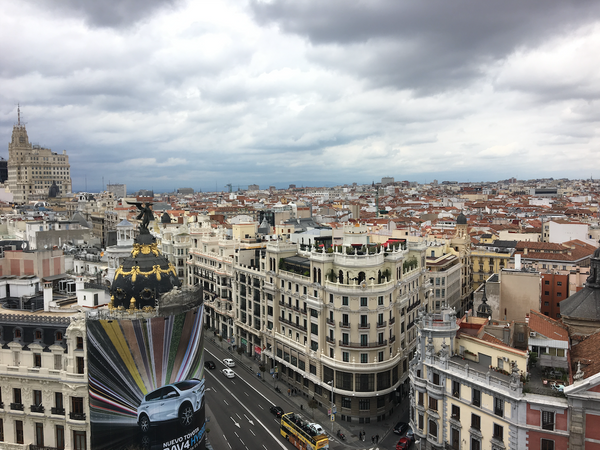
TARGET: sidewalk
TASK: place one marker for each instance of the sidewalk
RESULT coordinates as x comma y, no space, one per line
299,404
350,429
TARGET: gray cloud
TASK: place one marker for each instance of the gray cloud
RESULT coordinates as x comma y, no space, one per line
107,13
198,92
423,46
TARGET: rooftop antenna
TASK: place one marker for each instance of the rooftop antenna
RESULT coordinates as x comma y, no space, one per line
18,114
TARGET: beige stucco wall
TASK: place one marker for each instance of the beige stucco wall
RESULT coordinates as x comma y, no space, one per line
519,293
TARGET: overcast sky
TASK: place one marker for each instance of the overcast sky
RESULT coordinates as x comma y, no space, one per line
167,94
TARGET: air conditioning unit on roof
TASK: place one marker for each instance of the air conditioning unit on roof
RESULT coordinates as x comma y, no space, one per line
532,334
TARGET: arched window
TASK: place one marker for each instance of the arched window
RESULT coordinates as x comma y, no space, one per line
361,277
341,276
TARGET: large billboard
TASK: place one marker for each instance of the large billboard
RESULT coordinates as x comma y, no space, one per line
146,382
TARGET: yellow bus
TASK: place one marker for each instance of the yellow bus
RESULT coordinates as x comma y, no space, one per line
295,429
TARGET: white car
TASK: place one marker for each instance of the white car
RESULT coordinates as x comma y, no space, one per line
229,362
316,428
175,402
228,373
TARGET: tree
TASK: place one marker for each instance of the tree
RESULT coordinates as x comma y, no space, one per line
312,404
262,368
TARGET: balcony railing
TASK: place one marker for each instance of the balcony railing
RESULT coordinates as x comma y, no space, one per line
330,321
16,406
37,408
58,411
293,324
364,326
392,339
344,325
360,345
381,324
392,321
330,340
77,416
37,447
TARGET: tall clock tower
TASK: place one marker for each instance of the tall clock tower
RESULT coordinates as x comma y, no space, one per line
32,169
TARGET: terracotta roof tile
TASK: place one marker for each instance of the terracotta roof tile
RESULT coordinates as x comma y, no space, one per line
547,326
493,339
587,352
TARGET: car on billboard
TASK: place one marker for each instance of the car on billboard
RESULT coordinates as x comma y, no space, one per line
229,362
175,402
228,373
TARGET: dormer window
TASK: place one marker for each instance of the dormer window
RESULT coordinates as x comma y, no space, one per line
58,336
18,333
37,335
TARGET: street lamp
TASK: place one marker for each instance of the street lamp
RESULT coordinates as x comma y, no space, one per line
330,383
418,441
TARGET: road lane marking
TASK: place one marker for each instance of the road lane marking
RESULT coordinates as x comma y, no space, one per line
252,387
281,446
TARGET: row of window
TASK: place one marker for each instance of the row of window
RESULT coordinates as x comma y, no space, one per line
79,437
38,335
37,404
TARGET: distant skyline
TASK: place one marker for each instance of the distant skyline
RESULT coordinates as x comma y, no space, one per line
163,94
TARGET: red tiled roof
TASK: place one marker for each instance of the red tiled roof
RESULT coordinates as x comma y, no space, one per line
547,326
587,353
493,339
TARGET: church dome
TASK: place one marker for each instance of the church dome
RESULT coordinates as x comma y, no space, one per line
165,218
143,277
461,219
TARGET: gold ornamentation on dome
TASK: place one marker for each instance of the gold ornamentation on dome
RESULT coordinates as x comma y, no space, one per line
156,270
111,304
148,309
132,304
136,250
121,308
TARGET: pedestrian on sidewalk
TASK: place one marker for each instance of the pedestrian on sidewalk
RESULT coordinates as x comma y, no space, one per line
377,439
372,439
363,436
289,390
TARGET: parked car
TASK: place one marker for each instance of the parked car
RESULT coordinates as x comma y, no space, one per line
229,362
228,372
175,402
410,434
403,444
277,410
401,428
209,365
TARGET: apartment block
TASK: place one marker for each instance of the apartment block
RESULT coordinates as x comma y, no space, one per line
467,388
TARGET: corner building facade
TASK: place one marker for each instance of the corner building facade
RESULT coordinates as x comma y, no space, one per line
339,322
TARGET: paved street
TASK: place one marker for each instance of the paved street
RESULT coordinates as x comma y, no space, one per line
238,410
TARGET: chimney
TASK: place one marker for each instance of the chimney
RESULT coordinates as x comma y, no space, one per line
518,261
79,284
47,295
